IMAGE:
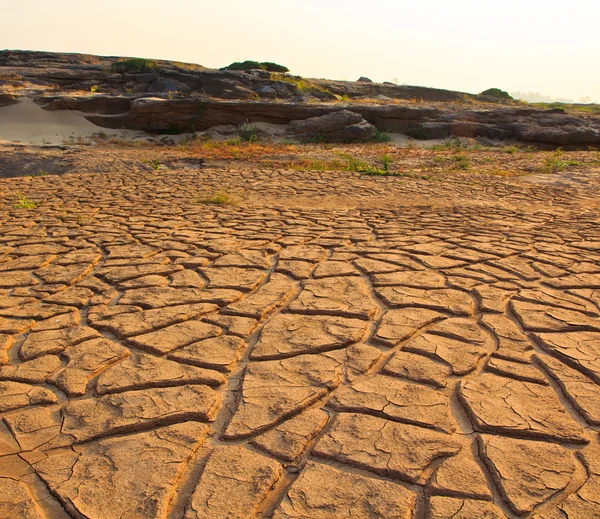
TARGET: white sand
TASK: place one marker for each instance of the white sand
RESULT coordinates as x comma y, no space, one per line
27,123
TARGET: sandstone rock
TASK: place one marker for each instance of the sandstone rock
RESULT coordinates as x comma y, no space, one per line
37,428
6,342
275,390
290,334
428,279
396,400
16,395
175,336
388,448
418,368
450,508
503,405
461,356
244,279
150,298
35,371
288,440
329,269
398,325
512,344
527,473
577,349
460,476
17,502
220,353
445,300
128,476
516,370
168,85
542,318
233,484
135,410
337,126
323,492
126,321
345,297
583,393
84,361
265,299
141,371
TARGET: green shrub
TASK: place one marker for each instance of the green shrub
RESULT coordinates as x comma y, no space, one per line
497,93
134,65
248,133
420,132
381,136
254,65
275,67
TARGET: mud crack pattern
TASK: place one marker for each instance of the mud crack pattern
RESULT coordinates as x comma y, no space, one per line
164,359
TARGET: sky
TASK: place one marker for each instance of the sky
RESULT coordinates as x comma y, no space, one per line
547,47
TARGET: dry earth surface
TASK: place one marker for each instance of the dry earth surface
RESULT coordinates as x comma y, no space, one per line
334,345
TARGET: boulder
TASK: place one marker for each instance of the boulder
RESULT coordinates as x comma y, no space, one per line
363,79
7,100
165,85
344,126
267,92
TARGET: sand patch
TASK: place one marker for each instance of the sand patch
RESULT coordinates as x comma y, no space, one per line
28,123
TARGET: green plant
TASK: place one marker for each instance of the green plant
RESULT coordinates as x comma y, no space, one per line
94,88
134,65
173,130
420,132
387,160
497,93
256,65
556,162
357,165
248,132
381,136
41,173
219,198
24,203
462,161
154,163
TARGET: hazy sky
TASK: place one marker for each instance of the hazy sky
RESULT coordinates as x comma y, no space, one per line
545,46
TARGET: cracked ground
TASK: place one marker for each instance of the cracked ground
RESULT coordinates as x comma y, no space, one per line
335,345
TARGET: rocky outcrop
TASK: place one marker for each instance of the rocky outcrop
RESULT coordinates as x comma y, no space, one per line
83,72
7,100
180,97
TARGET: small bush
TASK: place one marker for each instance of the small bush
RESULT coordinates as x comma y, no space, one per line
420,132
256,65
24,203
248,133
387,160
381,136
557,162
497,93
462,161
134,65
275,67
219,198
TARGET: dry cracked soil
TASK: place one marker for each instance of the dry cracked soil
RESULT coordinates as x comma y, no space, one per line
333,346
